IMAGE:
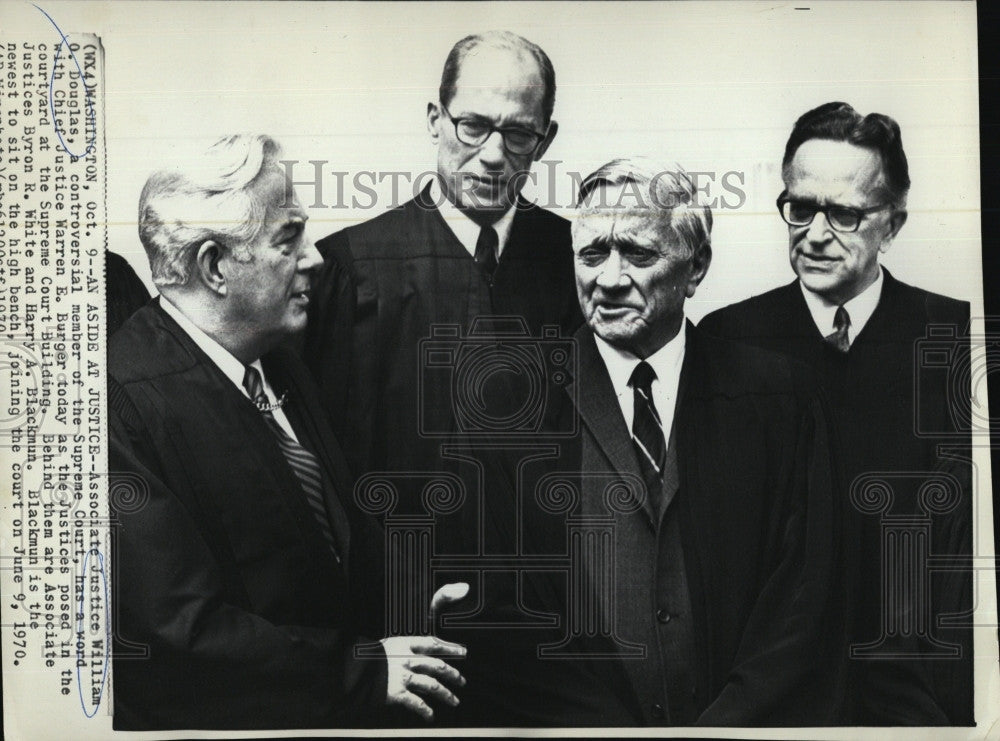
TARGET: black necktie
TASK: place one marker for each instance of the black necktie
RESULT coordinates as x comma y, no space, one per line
486,251
647,431
301,461
838,338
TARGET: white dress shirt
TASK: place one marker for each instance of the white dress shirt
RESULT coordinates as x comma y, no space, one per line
859,309
666,363
232,368
464,228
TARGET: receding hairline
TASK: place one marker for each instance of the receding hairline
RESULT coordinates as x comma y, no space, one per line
540,74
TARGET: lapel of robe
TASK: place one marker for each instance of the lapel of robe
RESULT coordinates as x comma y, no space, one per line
307,431
229,412
798,318
886,340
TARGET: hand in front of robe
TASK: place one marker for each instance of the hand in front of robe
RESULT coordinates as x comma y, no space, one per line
415,674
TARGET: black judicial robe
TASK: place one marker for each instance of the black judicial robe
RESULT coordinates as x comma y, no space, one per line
891,406
230,609
125,291
385,285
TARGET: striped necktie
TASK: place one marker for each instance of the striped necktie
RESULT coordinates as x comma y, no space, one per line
841,323
647,431
301,461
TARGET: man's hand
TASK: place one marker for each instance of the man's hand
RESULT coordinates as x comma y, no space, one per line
415,675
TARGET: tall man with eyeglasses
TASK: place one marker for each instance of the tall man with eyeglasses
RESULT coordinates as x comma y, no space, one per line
846,181
466,248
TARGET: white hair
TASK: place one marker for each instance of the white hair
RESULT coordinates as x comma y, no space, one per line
671,193
180,210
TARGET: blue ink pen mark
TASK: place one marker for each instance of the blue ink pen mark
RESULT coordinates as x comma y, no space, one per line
92,142
97,695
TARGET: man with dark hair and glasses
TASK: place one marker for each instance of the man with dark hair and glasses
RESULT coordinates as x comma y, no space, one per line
846,181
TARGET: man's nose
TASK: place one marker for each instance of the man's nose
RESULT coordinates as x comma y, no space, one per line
309,257
612,275
491,152
819,230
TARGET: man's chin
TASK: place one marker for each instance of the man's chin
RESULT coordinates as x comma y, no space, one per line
819,282
624,338
295,322
491,206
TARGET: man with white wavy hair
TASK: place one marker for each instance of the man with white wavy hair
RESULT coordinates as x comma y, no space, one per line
722,558
244,582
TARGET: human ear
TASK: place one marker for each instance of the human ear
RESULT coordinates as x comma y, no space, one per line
208,266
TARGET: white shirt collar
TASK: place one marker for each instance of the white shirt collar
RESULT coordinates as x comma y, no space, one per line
464,228
859,309
227,362
230,366
666,363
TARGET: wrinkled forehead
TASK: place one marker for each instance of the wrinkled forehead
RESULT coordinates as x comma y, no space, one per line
608,213
834,169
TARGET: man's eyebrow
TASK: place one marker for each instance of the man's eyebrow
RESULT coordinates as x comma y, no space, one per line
601,243
628,245
517,120
472,115
519,123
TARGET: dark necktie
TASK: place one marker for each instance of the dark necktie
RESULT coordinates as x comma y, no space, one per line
647,431
301,461
838,338
486,251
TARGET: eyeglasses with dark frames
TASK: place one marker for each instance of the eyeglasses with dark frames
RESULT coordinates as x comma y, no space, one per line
473,131
845,219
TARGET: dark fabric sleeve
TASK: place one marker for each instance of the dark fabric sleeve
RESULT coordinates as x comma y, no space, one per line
326,347
509,683
953,596
212,663
125,291
789,667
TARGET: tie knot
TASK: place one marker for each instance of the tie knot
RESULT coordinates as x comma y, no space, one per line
254,385
642,377
841,319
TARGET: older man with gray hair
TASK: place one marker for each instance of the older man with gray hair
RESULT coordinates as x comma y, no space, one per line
242,567
722,562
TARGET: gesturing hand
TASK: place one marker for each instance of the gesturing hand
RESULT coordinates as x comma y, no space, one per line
415,675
